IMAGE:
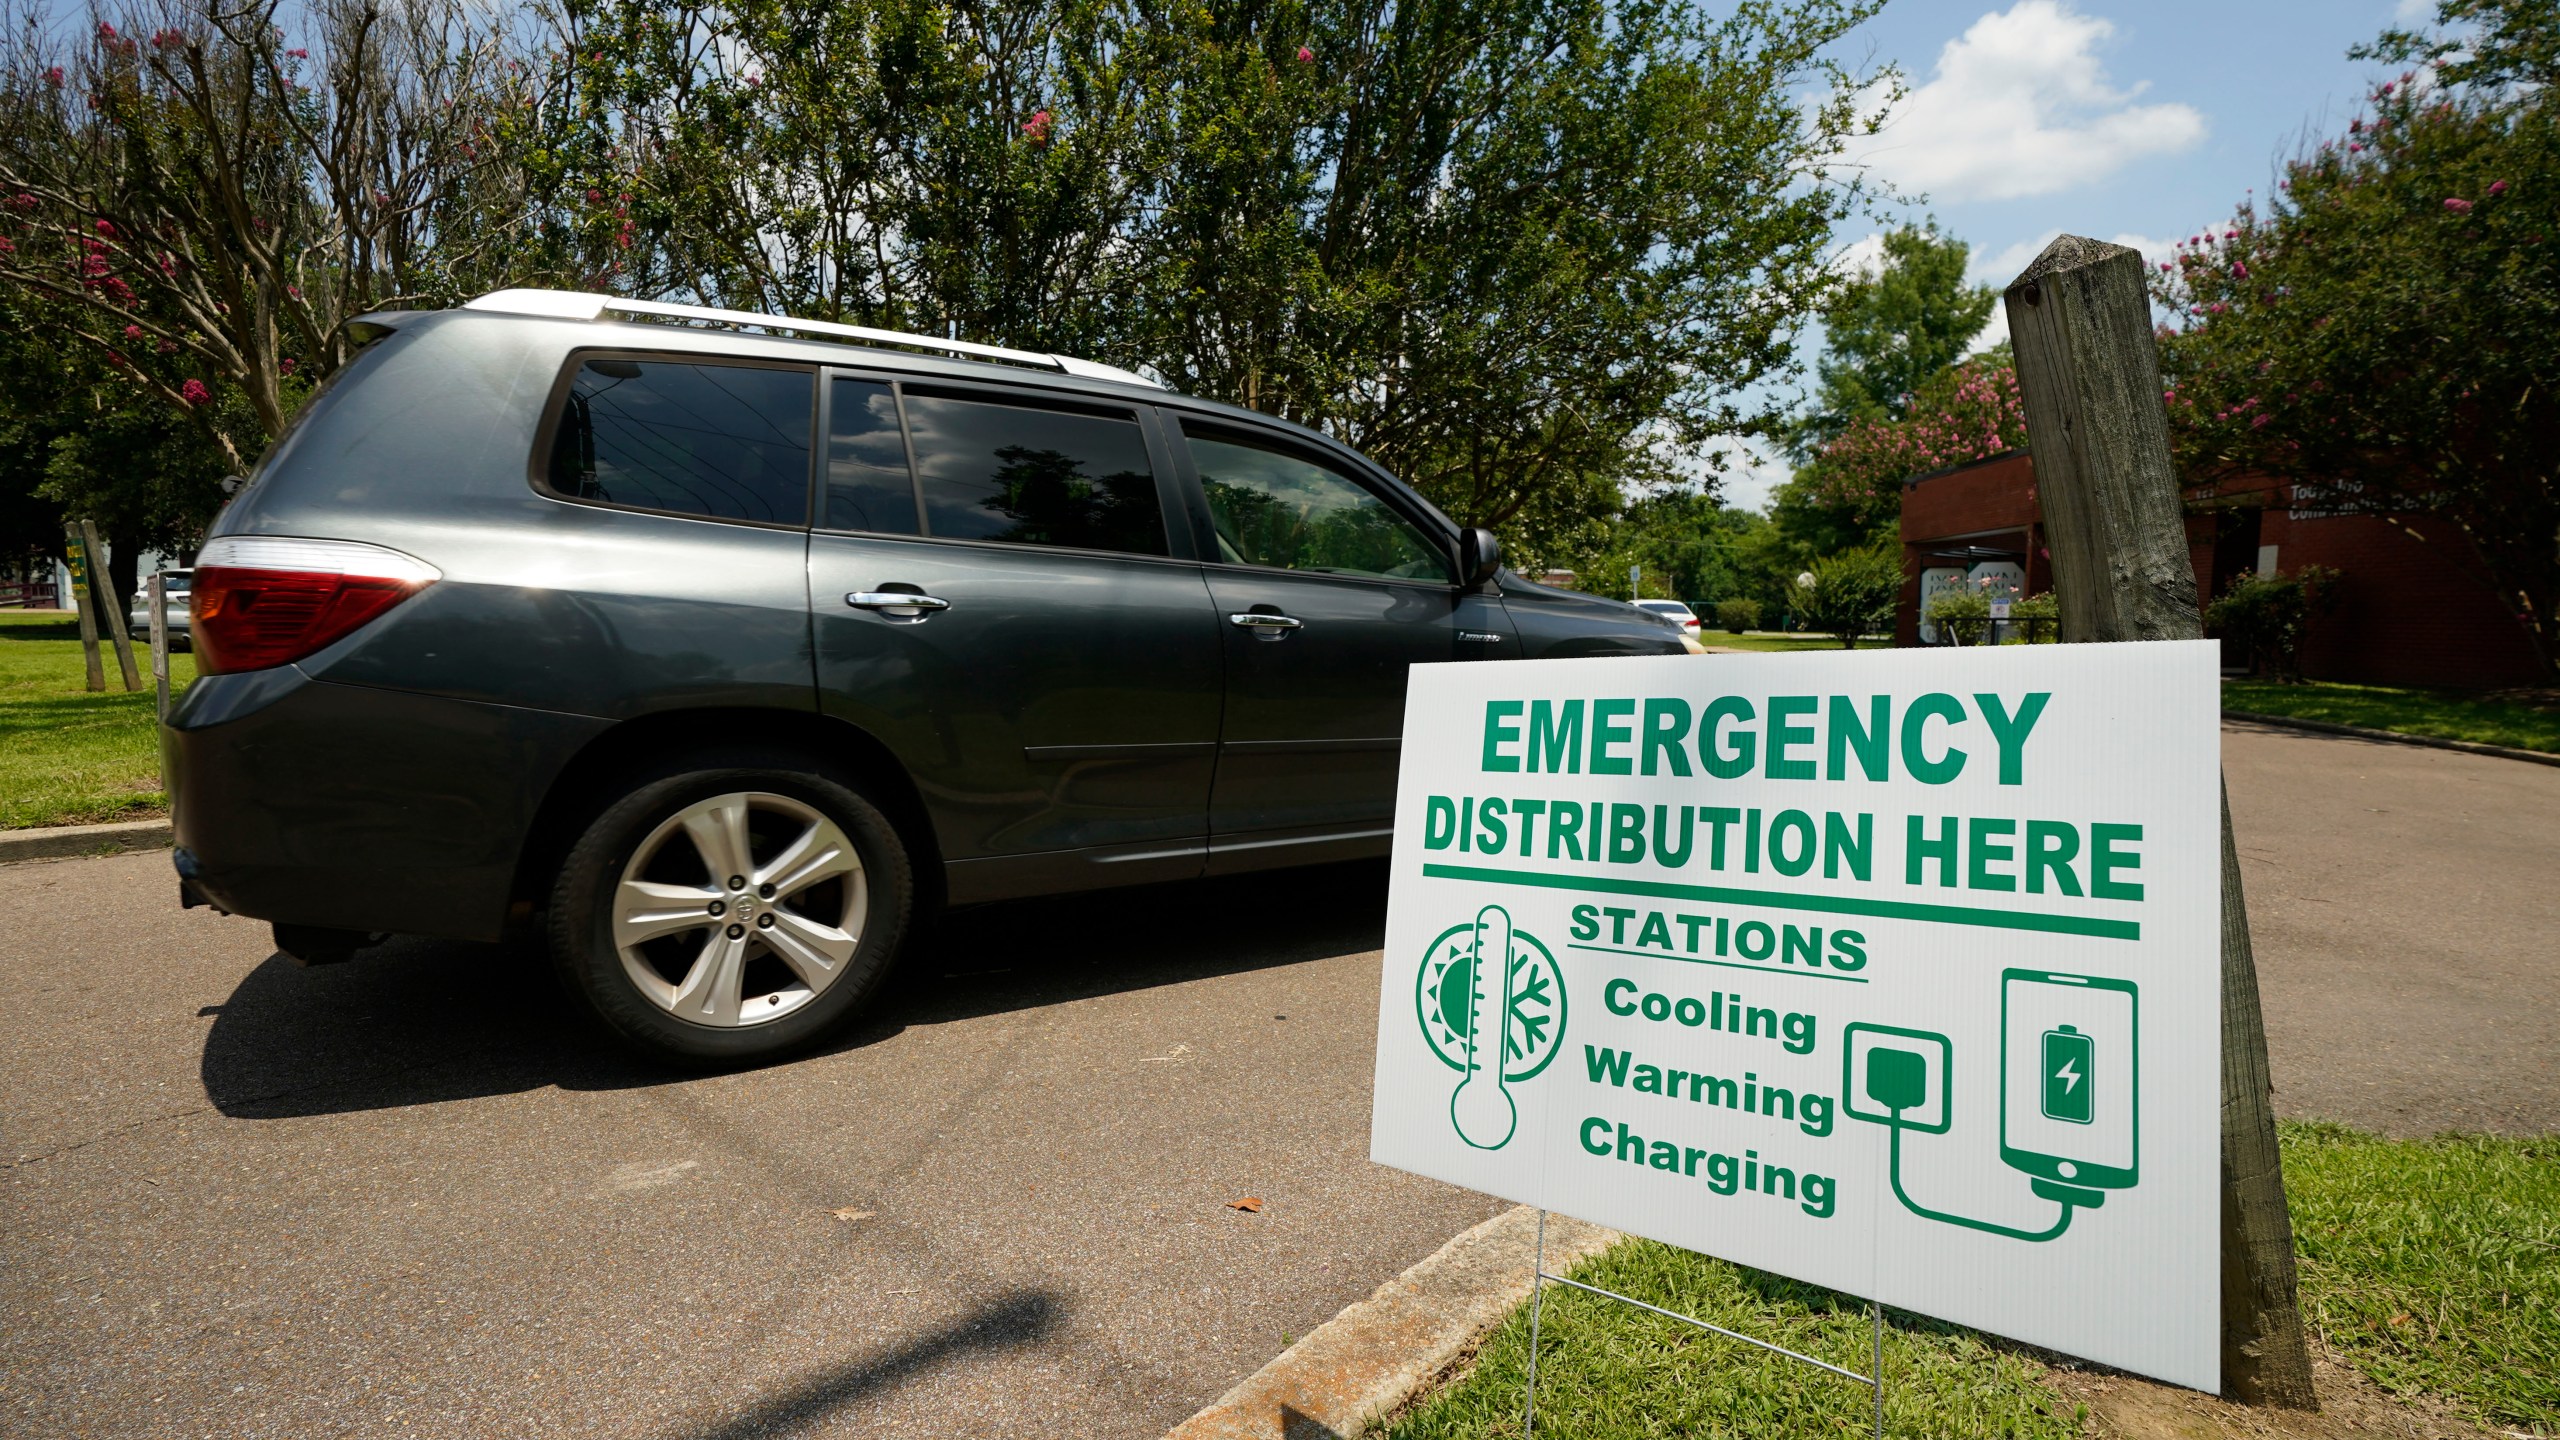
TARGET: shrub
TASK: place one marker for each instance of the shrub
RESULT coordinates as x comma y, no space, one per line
1738,615
2036,620
2269,614
1962,614
1852,593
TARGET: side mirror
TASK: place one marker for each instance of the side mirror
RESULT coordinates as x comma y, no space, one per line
1479,555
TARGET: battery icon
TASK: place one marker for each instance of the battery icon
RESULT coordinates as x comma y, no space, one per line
2067,1076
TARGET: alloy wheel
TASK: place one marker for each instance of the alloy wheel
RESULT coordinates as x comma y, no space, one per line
740,909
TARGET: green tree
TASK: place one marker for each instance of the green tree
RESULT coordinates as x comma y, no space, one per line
1691,546
2380,333
1887,334
1515,251
78,438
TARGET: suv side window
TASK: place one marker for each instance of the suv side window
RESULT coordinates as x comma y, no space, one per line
1032,475
1273,508
869,486
726,441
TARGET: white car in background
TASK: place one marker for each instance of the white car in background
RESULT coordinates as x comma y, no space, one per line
181,585
1679,617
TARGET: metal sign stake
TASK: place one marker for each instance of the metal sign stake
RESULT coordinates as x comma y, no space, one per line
1873,1380
159,592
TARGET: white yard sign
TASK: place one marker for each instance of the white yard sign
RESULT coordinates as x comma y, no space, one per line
1895,972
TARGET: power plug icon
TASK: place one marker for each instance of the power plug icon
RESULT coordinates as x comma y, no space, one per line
1897,1079
1905,1079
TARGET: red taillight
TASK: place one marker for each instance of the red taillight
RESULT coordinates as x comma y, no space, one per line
260,602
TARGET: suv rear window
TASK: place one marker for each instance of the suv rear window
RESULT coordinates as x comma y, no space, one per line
726,441
1034,476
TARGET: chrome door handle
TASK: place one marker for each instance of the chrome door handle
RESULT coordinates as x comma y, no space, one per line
895,600
1257,620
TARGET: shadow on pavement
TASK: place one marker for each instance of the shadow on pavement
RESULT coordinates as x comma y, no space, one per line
1023,1318
421,1022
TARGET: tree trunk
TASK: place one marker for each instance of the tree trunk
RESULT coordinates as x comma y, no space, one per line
2089,370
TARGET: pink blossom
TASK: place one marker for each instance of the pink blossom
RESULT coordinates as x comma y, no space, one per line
288,364
133,332
299,54
53,77
1305,54
2497,187
2239,271
106,227
194,393
106,31
2457,205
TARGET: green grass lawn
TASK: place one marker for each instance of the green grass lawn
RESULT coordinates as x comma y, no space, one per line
2445,714
2432,1266
69,756
1774,642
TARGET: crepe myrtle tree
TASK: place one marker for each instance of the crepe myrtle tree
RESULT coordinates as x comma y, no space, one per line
202,196
1851,490
2381,331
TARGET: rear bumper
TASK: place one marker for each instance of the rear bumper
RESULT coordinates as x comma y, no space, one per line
358,808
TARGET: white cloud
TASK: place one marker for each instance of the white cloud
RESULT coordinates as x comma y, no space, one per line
2412,12
1861,258
1997,270
2020,105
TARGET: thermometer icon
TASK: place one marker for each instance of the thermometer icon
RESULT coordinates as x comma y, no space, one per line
1481,1107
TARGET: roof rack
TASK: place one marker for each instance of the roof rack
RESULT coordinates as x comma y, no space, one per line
583,305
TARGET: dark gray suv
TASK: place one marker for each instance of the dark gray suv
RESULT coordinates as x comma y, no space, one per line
716,657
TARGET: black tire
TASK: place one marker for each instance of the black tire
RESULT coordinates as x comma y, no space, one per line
583,947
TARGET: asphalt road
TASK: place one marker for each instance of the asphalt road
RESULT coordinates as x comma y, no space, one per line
2404,910
410,1195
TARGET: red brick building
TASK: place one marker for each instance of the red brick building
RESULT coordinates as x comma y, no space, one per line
2415,608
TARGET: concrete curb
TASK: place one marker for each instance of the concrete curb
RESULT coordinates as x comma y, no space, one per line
1377,1354
2360,732
60,841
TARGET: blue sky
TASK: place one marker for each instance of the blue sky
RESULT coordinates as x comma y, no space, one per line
2131,120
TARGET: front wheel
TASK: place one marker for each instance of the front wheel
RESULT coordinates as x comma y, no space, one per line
731,915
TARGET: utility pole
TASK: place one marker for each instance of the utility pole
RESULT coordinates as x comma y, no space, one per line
2089,368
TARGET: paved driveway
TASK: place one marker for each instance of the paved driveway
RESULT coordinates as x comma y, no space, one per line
407,1196
2405,904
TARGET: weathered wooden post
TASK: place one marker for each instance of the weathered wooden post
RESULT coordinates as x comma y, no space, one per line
113,605
77,552
2089,367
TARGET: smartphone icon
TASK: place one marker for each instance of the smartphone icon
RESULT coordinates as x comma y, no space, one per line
2070,1077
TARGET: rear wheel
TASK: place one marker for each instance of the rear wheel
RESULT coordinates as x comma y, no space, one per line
731,914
